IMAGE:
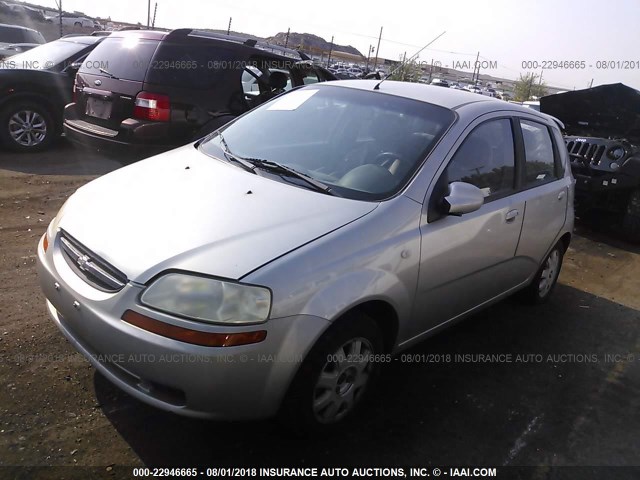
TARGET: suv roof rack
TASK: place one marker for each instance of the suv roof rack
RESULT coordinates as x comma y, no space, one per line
250,42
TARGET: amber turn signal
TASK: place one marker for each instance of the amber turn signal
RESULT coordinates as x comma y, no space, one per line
195,337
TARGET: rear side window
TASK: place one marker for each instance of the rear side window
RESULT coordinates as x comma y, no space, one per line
126,58
540,165
195,65
486,159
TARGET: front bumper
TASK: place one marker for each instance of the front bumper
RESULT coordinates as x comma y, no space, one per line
228,383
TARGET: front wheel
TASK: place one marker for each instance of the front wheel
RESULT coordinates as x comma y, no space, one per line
543,284
26,127
335,377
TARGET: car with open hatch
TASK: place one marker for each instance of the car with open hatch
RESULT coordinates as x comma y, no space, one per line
273,267
144,91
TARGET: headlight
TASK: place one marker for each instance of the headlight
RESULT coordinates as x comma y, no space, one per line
616,153
208,299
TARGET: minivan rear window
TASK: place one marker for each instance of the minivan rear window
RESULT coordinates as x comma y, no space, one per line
197,65
126,58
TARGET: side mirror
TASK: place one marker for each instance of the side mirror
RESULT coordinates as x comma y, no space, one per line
74,67
462,198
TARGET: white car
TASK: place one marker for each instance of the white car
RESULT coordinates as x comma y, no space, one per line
72,20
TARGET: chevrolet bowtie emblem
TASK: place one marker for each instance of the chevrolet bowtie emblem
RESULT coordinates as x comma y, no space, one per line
82,261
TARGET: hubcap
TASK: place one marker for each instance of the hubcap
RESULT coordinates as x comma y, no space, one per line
27,128
342,380
549,273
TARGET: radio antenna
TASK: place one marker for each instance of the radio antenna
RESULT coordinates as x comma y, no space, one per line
377,87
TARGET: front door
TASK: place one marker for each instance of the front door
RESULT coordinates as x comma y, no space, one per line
468,260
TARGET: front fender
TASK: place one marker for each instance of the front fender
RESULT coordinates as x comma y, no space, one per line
356,288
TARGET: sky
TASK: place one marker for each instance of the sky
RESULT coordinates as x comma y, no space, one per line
604,35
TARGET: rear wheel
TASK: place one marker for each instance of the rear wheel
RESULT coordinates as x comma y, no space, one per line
546,278
26,127
335,377
631,220
77,24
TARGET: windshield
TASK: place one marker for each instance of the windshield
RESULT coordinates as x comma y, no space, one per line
45,56
362,144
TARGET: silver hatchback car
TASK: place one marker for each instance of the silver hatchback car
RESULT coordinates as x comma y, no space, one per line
274,266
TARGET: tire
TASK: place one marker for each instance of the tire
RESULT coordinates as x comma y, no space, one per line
77,24
326,392
13,118
631,219
543,284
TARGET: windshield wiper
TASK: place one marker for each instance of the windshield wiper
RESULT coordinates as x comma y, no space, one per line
248,166
278,167
108,73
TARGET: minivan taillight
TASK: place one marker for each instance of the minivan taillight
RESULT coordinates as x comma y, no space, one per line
152,106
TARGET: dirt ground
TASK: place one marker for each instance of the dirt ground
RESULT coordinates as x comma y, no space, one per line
56,411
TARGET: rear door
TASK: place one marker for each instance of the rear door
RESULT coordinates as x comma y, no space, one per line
545,188
111,77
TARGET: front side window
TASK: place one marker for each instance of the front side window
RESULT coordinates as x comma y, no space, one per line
363,144
539,155
486,159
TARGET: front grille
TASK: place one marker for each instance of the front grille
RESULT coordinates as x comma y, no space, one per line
90,267
586,152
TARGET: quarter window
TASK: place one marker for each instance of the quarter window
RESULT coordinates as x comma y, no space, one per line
486,159
540,160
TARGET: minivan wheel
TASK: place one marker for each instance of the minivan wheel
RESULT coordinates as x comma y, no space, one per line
546,279
631,220
336,376
26,127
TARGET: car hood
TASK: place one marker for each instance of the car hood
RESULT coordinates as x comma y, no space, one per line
610,111
185,210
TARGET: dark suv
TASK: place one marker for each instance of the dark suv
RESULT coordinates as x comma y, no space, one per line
149,91
602,134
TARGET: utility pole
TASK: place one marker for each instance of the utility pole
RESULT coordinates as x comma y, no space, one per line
371,49
286,39
155,11
148,13
476,70
431,70
330,50
229,27
540,81
59,5
375,63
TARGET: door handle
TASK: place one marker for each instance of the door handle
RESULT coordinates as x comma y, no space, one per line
511,215
561,195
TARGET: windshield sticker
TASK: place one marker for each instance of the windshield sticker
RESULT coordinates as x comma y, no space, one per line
293,100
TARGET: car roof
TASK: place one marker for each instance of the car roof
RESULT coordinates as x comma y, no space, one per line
18,27
266,49
84,39
444,97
